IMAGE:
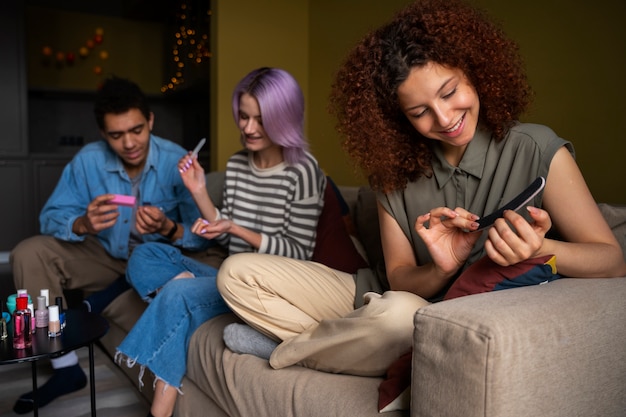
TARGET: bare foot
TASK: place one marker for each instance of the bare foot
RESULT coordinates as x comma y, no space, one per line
185,274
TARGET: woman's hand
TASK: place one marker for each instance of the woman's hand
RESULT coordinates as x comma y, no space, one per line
509,244
192,173
210,230
446,237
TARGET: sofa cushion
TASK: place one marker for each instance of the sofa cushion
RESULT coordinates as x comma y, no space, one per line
245,385
215,186
333,245
549,350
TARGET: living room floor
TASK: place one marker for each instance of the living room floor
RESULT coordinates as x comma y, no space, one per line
116,395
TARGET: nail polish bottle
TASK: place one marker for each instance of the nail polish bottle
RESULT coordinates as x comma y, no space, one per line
31,308
22,336
3,326
3,330
54,325
46,293
41,314
59,302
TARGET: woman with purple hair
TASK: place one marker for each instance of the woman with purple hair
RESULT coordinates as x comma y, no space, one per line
272,199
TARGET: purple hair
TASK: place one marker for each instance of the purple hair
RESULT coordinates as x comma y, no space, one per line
282,108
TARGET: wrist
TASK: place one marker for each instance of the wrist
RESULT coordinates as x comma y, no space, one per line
172,231
444,275
198,191
79,226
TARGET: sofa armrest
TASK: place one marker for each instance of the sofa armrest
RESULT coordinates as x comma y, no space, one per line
550,350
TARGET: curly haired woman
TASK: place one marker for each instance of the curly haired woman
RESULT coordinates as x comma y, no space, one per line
429,106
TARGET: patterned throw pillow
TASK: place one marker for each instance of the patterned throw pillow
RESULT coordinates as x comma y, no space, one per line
485,275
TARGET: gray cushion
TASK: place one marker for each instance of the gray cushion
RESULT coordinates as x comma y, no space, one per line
215,186
616,218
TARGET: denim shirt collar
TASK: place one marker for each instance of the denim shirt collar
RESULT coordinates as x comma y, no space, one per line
472,163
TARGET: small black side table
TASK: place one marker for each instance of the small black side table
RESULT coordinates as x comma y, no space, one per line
82,329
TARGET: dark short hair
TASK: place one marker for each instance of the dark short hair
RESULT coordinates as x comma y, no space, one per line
118,95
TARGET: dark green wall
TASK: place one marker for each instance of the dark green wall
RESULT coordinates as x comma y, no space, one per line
576,59
575,53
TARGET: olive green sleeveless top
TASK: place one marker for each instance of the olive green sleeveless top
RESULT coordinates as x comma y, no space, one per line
489,175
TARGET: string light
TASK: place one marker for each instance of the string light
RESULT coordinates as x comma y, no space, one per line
63,59
191,41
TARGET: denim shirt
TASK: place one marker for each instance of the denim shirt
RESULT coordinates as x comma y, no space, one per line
95,170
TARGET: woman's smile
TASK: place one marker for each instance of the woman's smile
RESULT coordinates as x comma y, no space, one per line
457,129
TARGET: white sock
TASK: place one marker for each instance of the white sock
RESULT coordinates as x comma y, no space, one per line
69,359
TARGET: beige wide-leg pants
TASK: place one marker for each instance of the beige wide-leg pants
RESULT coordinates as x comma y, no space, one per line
310,308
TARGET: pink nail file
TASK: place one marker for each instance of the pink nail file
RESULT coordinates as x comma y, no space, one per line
123,200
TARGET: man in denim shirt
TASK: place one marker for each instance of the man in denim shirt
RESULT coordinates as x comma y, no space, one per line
85,239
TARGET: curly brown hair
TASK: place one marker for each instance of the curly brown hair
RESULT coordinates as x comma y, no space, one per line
376,134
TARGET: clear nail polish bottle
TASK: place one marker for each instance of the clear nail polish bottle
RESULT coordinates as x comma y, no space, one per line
31,308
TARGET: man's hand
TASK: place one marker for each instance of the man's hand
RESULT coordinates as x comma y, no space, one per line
151,219
100,215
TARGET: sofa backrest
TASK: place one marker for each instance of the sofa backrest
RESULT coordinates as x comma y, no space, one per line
616,218
363,211
215,186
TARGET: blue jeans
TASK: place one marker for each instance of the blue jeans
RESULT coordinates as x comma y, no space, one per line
152,265
160,338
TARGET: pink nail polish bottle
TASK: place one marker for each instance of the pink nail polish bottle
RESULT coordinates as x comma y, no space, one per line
22,336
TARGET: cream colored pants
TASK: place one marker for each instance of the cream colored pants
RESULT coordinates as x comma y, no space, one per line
310,308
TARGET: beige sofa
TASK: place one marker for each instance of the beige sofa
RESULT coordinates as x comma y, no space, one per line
551,350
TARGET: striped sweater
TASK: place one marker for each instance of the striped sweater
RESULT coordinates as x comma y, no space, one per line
282,203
